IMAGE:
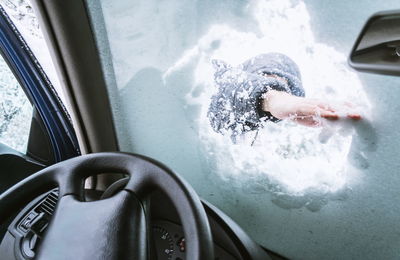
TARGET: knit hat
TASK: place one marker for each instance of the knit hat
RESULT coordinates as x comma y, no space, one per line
276,64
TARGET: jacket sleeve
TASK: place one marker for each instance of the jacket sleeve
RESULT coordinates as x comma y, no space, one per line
236,107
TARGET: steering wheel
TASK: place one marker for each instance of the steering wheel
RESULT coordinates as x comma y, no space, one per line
116,227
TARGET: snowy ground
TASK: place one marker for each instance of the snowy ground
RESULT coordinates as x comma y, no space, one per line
15,108
15,111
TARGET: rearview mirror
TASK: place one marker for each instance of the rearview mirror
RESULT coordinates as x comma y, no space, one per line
377,49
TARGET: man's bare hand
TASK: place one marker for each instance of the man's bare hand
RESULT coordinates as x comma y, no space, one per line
305,111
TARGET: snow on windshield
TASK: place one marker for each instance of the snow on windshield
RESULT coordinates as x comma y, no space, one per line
300,166
160,59
332,187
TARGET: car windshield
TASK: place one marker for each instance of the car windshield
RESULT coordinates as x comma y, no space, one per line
221,92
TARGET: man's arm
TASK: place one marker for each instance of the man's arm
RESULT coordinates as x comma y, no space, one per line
305,111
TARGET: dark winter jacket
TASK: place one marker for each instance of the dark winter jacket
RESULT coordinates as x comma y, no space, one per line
236,107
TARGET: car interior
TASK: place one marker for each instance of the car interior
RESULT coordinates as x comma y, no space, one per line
77,194
178,217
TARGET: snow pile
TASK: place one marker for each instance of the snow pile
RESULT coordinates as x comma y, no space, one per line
286,159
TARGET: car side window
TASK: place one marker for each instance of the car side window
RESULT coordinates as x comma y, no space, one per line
15,111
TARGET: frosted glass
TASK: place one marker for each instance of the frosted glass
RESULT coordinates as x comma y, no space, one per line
15,111
324,193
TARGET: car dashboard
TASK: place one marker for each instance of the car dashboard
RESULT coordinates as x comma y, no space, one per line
23,236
